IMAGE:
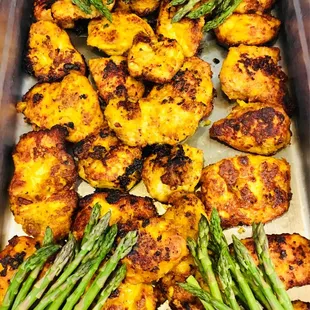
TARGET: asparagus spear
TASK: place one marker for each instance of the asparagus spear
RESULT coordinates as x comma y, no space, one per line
29,264
104,250
203,256
39,288
248,265
48,239
98,4
112,285
184,10
220,244
259,294
202,10
262,250
220,18
226,281
57,297
93,221
123,248
177,2
83,6
86,247
201,294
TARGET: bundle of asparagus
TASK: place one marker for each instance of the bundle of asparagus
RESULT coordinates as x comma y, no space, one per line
219,9
233,280
73,264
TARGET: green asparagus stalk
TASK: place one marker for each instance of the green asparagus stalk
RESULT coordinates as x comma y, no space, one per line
123,248
203,256
259,294
57,297
201,294
104,250
48,239
184,10
219,243
226,281
192,281
29,264
177,2
86,247
98,4
93,221
39,288
203,10
248,265
112,285
238,293
262,249
221,17
83,6
95,250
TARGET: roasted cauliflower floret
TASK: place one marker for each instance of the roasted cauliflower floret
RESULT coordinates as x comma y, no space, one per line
290,254
42,9
41,191
248,29
145,7
116,38
51,55
128,211
71,103
301,305
113,80
252,74
256,6
18,249
181,104
155,61
247,189
105,162
187,32
172,168
255,128
132,297
66,13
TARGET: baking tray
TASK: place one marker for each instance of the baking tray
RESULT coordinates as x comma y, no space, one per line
294,41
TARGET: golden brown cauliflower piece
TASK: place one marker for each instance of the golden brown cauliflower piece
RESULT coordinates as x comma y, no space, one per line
128,211
172,168
51,55
187,32
301,305
41,191
65,13
105,162
290,254
252,74
42,9
116,38
132,297
145,7
182,103
247,189
254,6
113,80
71,103
256,128
18,249
248,29
157,62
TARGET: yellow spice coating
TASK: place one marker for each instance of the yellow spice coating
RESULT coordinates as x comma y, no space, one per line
248,29
252,74
18,249
187,32
170,113
301,305
65,13
290,254
154,61
145,7
42,10
170,169
105,162
132,297
116,38
50,54
71,103
256,128
113,80
254,6
247,189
